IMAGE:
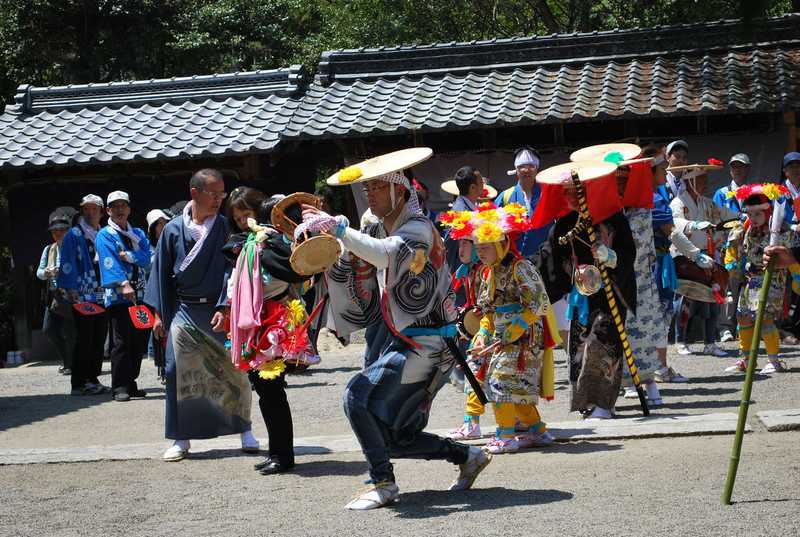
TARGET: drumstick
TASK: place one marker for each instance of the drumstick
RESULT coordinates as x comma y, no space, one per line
612,301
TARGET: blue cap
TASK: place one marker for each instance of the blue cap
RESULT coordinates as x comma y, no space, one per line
794,156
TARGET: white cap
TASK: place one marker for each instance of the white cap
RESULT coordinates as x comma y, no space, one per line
677,144
118,195
740,157
154,216
92,198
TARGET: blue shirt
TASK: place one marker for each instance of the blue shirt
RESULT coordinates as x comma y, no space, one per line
78,271
114,270
528,243
721,198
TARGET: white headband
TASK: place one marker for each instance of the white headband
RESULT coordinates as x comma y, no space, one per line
398,178
524,157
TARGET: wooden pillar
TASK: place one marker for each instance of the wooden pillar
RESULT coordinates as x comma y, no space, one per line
790,122
251,168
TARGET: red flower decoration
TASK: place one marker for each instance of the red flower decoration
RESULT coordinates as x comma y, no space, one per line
715,162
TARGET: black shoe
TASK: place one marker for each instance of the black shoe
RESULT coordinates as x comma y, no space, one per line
61,369
136,392
66,372
121,395
275,467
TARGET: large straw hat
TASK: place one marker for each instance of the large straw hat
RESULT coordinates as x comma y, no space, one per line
587,170
380,165
690,171
613,152
452,188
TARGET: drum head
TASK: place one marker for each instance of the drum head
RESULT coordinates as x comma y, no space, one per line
315,255
695,291
472,322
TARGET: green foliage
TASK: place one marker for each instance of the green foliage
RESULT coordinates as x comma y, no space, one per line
54,42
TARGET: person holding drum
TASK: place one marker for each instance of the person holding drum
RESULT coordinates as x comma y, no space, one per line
696,216
394,280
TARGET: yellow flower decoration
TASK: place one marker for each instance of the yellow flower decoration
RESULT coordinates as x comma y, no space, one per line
350,174
295,313
772,191
272,369
730,194
488,232
515,209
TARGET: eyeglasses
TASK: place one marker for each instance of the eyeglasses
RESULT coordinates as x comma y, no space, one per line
216,195
367,190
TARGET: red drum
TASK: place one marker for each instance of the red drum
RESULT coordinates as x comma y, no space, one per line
697,283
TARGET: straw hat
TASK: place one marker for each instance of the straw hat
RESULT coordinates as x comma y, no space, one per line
620,154
690,171
452,188
587,170
380,165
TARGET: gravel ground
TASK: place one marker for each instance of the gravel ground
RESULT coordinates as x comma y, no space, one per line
661,487
36,412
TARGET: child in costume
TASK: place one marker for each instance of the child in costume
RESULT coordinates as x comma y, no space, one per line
744,254
513,348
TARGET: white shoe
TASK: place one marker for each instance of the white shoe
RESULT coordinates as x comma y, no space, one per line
683,349
667,374
468,472
529,440
177,451
468,431
249,442
497,446
600,414
726,336
713,350
630,393
653,395
775,366
377,495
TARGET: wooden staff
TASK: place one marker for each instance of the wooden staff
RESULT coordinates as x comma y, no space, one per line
612,301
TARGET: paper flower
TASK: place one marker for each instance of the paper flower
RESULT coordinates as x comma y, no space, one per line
487,224
770,190
715,162
350,174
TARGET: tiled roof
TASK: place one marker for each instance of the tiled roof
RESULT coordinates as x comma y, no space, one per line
148,120
726,66
719,67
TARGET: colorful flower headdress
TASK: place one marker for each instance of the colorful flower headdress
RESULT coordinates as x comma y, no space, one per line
770,190
488,223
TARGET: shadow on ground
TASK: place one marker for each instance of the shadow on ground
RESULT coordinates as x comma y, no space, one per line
19,410
325,468
438,503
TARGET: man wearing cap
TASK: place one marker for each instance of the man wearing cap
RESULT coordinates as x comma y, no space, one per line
394,281
694,215
187,288
677,155
58,324
527,193
469,183
79,276
124,253
739,166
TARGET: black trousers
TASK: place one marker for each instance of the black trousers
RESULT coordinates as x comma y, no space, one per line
87,363
277,416
128,345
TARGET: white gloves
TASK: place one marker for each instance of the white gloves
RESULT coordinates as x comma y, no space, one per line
699,226
605,255
704,261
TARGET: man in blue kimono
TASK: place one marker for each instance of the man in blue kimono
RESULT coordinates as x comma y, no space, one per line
206,395
124,253
79,276
527,193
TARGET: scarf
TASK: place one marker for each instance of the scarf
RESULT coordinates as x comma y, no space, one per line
128,232
90,233
198,232
247,298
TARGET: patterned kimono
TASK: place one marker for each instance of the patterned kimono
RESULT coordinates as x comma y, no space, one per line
595,352
514,299
645,327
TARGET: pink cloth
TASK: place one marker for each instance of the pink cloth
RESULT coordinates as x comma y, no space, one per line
246,302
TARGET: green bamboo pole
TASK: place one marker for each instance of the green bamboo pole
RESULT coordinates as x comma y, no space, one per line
744,406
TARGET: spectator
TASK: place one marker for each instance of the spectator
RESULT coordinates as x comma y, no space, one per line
124,252
58,323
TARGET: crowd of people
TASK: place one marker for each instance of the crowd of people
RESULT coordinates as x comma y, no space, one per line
491,284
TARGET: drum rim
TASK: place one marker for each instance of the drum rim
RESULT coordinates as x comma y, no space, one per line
278,216
298,249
